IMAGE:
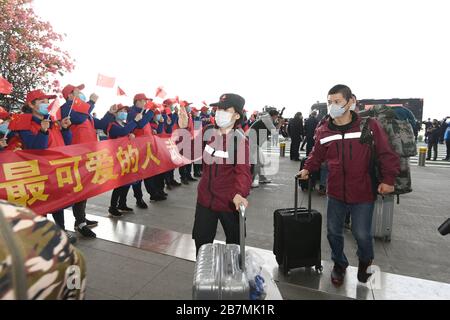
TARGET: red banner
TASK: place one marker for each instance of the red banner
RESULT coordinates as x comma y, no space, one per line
52,179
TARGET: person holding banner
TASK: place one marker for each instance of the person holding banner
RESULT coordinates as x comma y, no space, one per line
227,180
171,119
156,186
118,129
36,131
83,128
143,128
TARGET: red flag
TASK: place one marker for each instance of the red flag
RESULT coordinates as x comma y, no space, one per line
120,92
104,81
150,105
160,93
80,106
20,121
5,86
54,109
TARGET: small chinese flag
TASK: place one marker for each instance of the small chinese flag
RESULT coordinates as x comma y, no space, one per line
5,86
120,92
150,105
80,106
54,110
160,93
104,81
20,121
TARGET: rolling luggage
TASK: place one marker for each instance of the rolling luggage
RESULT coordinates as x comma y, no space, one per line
297,235
383,216
220,270
314,176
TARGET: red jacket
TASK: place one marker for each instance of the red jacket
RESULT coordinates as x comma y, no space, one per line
221,181
348,160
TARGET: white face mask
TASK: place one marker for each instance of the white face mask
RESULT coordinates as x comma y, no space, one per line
353,107
336,111
223,119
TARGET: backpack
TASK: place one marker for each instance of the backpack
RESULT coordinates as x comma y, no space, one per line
402,140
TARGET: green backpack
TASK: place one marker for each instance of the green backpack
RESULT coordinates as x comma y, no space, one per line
401,138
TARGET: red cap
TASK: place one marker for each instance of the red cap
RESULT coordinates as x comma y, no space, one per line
194,109
38,95
141,96
69,89
121,107
3,113
169,102
204,109
185,103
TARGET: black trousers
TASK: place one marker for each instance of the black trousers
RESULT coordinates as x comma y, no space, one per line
447,143
169,176
79,212
197,168
58,216
303,144
295,146
185,171
205,226
309,146
119,196
434,146
154,186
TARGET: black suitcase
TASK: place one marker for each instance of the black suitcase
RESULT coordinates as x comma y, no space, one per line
297,236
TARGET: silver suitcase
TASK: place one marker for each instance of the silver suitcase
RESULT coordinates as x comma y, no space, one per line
383,216
220,270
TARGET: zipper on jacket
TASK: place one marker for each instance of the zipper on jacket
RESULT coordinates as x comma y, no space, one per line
351,151
343,164
209,186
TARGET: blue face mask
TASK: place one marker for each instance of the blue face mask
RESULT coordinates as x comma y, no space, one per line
43,109
122,116
158,117
82,96
3,128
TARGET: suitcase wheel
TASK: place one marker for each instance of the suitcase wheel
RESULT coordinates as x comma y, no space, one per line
319,269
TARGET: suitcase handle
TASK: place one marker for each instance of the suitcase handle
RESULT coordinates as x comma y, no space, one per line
297,178
242,235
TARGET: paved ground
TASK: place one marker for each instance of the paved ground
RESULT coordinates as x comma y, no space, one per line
416,249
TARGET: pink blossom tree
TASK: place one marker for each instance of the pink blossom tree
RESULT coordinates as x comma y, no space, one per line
30,57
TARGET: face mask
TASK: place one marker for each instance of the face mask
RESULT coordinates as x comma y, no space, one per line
223,119
353,107
43,109
3,128
122,116
158,117
336,111
188,109
82,97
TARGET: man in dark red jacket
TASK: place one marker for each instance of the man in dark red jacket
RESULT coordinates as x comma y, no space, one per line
226,180
349,180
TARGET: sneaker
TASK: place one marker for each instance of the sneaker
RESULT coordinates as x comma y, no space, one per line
164,194
191,179
83,229
265,180
141,204
91,224
338,275
125,209
175,183
255,183
363,276
71,237
158,197
114,213
428,159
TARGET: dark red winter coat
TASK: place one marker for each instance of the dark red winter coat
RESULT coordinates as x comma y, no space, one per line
349,160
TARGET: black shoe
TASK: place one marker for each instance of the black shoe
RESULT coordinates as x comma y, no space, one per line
191,179
175,183
125,209
164,194
158,197
338,275
91,224
114,213
168,186
185,182
71,237
363,276
141,204
83,229
428,159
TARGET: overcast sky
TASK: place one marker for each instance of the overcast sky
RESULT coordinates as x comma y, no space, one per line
281,53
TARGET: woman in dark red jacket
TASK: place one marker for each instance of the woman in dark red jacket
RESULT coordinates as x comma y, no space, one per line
226,179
